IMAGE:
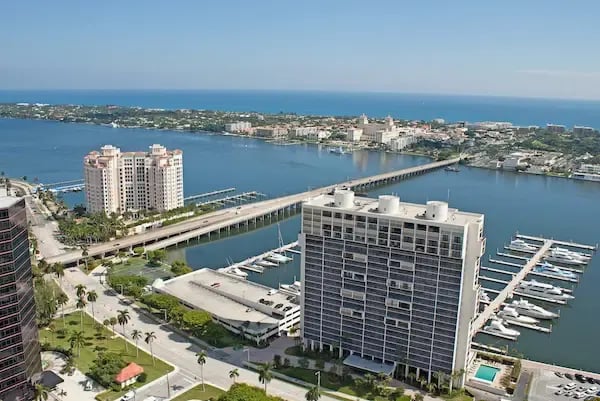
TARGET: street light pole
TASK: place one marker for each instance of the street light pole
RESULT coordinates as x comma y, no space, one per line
165,313
318,374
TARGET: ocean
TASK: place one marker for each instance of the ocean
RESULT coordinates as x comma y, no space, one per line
519,111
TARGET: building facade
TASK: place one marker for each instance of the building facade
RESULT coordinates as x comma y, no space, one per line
271,132
240,126
20,362
116,182
389,283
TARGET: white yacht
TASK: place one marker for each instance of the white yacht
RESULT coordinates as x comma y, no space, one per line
574,254
277,258
520,245
496,327
265,263
558,255
510,314
543,290
526,308
294,288
483,296
551,270
236,271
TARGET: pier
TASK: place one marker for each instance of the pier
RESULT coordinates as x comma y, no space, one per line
208,194
233,199
214,223
247,263
563,243
497,302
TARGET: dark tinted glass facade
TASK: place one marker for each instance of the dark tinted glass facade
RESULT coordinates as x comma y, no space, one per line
19,346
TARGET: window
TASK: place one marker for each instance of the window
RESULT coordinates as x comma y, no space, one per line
400,285
396,303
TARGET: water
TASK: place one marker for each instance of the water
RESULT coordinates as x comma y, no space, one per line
520,111
553,207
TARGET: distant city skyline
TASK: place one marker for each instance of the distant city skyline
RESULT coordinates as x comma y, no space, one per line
522,49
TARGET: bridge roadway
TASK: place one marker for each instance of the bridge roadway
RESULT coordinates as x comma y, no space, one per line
493,306
215,222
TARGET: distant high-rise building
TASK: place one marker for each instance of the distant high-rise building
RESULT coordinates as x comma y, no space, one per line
118,181
392,284
20,361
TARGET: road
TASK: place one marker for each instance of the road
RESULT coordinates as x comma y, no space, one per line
172,347
216,220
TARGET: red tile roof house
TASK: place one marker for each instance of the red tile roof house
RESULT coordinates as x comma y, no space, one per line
129,374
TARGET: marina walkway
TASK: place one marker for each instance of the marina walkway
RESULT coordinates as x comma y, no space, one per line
242,216
493,306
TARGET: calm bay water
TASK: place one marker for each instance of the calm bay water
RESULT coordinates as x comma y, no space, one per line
552,207
520,111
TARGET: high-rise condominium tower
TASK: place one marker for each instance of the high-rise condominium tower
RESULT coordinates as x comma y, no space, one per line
392,284
19,347
118,181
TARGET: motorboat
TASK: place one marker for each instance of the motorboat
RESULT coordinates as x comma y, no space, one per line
235,271
496,327
543,290
293,288
520,245
551,270
526,308
338,151
574,254
452,169
483,296
510,314
265,263
277,258
567,258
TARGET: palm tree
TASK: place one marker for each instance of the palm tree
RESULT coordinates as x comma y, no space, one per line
265,374
234,374
106,323
92,297
123,318
40,392
77,339
61,300
81,289
456,374
201,361
52,330
59,271
418,397
81,305
150,337
431,387
422,381
313,394
113,322
136,335
84,254
412,376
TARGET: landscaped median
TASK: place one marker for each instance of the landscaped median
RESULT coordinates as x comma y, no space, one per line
98,351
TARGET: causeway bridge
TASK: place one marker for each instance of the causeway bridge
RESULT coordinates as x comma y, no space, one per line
220,221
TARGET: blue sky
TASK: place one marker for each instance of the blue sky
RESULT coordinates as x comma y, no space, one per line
538,48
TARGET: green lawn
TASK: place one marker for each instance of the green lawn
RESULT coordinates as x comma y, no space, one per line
308,375
137,266
98,341
196,393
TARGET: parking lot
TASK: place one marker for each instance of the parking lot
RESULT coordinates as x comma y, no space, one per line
547,386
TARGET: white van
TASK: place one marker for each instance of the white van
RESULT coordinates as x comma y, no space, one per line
570,386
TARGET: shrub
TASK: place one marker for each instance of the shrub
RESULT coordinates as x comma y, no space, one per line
277,360
303,363
142,377
160,301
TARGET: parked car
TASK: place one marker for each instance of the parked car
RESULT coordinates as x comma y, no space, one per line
128,396
89,385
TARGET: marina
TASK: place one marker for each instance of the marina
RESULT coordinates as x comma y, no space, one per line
258,264
522,313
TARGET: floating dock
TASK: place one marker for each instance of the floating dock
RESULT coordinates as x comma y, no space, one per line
563,243
497,350
248,264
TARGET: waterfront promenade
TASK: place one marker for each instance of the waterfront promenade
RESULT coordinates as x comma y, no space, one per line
242,216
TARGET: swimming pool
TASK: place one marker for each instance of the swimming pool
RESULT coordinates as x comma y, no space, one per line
486,373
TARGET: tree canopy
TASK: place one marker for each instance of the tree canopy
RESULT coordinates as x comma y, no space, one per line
245,392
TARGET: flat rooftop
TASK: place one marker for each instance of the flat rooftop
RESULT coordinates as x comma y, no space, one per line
227,297
406,210
8,201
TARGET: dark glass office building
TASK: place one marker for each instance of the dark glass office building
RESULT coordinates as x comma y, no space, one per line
20,361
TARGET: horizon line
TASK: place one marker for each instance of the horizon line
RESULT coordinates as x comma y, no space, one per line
341,91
